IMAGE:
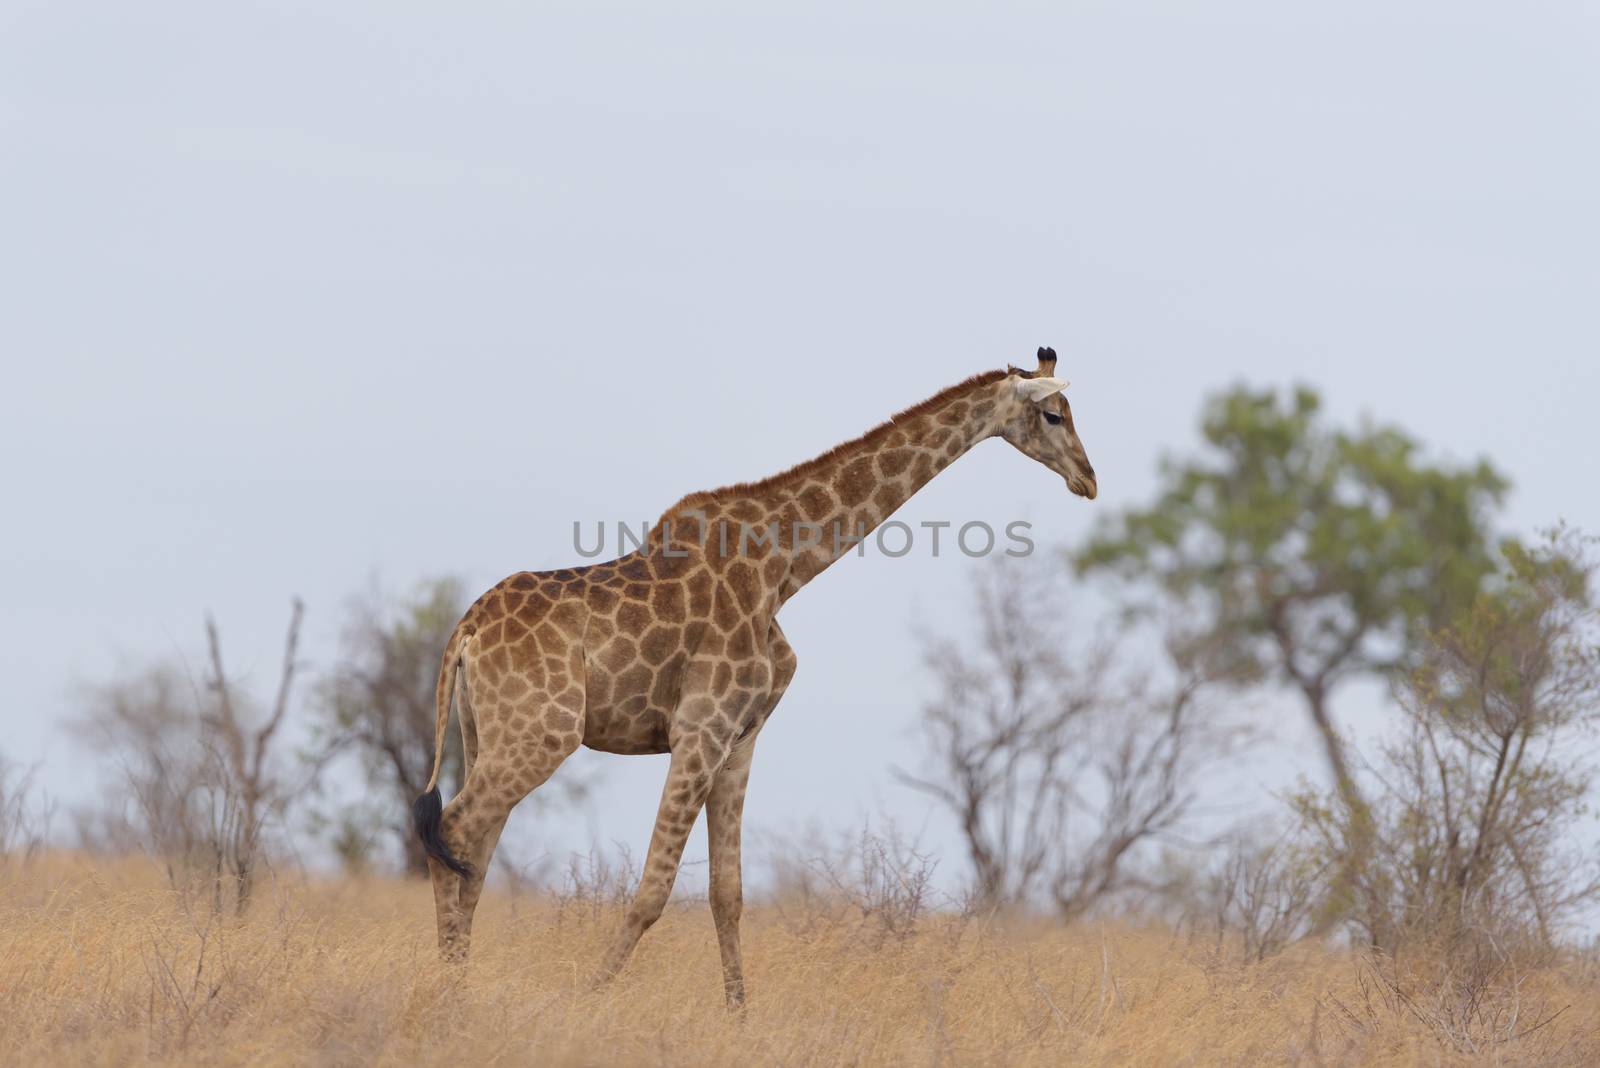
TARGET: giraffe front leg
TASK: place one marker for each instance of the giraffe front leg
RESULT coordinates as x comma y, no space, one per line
725,824
724,829
688,783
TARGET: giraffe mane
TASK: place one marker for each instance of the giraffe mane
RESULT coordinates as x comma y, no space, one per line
787,477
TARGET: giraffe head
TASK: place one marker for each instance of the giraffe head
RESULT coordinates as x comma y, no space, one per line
1040,424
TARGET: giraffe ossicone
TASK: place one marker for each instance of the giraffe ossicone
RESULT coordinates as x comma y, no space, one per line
675,648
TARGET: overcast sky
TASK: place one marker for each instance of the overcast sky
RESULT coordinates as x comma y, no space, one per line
297,297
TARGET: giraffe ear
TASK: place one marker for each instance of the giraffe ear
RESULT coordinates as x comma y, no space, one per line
1047,361
1037,389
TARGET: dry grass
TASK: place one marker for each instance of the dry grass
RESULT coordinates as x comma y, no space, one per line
100,963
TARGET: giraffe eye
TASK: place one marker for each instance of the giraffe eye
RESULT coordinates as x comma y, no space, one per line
1052,418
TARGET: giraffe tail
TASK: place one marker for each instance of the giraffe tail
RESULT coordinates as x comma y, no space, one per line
427,811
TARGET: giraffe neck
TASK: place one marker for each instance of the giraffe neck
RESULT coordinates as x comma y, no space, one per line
797,524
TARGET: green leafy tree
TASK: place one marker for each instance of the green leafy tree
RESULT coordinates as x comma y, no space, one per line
377,706
1484,791
1308,555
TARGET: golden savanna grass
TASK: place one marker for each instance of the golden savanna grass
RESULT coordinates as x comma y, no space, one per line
101,963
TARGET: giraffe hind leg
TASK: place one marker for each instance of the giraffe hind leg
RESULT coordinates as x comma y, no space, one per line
505,770
447,882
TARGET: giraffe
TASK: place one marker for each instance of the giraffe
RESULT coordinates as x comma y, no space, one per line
675,648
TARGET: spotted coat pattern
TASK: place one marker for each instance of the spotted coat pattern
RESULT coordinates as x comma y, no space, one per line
676,648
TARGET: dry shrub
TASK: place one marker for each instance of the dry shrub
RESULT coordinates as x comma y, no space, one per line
198,775
595,883
1063,762
100,963
877,884
1479,999
24,819
1257,897
1483,789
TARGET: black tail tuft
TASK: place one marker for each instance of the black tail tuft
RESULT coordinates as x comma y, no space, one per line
426,812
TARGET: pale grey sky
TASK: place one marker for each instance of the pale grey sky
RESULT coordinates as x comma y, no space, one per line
296,295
